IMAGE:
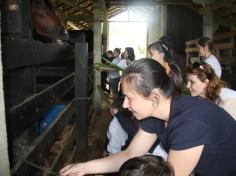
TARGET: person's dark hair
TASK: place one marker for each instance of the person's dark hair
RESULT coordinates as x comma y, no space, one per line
204,71
167,40
175,73
176,76
147,165
118,50
131,55
109,52
206,41
146,74
161,47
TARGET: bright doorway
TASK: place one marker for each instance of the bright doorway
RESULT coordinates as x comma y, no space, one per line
129,29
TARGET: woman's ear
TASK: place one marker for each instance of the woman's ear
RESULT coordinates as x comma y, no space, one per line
155,96
206,81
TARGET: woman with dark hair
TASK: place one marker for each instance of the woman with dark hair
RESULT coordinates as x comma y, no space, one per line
129,54
207,51
203,82
200,136
114,76
160,52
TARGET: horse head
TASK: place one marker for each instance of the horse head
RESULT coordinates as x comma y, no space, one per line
47,26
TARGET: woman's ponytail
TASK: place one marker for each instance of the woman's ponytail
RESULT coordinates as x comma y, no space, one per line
176,78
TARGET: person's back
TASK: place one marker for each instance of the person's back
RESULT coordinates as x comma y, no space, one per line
203,123
147,165
228,101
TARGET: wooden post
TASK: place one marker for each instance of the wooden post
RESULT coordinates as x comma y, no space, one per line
208,24
4,166
105,34
26,19
97,27
11,17
81,101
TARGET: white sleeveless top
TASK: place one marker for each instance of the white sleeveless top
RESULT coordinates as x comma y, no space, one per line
215,64
228,101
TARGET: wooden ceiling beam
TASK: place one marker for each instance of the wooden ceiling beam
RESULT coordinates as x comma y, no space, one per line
77,18
226,12
217,5
149,2
72,4
229,21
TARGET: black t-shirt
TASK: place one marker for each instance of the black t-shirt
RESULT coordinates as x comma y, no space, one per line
131,128
193,122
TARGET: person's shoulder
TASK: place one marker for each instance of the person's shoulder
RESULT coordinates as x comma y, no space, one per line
226,93
152,125
212,59
182,102
190,107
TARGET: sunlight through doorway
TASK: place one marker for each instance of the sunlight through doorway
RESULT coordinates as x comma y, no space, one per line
129,29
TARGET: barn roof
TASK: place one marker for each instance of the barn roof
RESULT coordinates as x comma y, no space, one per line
78,14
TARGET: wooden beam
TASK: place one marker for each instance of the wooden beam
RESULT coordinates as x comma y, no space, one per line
191,50
72,4
97,27
150,2
223,46
33,52
226,12
48,71
217,5
191,42
43,143
77,18
229,21
72,25
81,101
22,116
225,35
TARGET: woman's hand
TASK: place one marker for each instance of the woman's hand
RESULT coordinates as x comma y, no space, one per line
76,169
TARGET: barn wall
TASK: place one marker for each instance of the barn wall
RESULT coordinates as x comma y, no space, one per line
157,24
182,24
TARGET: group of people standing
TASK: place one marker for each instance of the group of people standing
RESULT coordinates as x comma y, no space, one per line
198,131
121,60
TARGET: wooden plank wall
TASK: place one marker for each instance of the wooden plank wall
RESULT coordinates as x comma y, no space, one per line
39,76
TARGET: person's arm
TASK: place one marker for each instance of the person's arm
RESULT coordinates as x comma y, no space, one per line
140,144
184,161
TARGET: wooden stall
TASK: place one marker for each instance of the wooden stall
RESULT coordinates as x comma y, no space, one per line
39,78
191,51
224,43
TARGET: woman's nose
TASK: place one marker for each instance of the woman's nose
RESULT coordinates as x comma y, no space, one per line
188,85
125,103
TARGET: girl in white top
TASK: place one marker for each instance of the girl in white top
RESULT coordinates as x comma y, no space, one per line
206,50
203,82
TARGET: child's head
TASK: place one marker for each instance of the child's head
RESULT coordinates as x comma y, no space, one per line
147,165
